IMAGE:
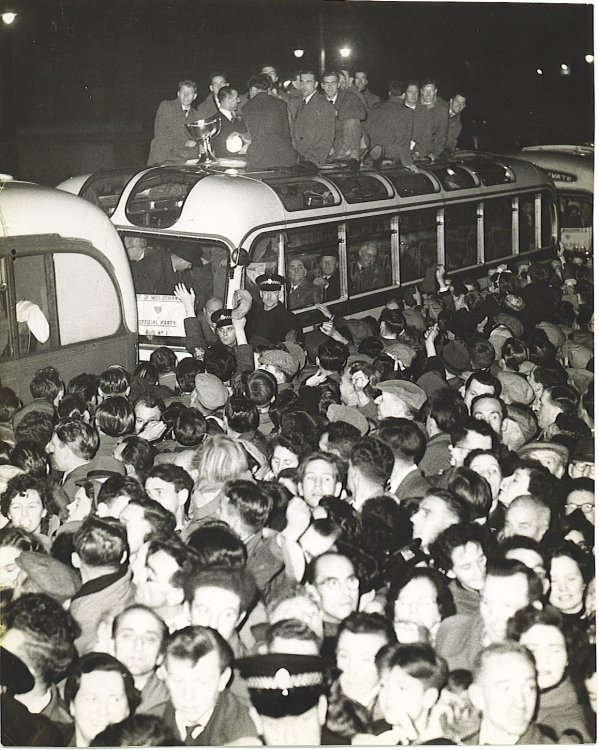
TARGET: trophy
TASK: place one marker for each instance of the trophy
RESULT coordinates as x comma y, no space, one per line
202,131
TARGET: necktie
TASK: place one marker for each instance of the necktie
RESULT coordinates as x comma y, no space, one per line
186,112
193,732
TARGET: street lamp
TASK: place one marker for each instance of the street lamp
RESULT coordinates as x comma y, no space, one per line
539,71
8,17
564,69
298,52
345,51
590,59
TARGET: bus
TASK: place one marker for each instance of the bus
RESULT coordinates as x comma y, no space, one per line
572,170
469,215
66,292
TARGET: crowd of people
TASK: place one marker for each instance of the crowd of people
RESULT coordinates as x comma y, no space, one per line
310,122
377,532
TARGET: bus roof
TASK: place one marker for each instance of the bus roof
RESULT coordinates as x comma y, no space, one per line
570,167
216,201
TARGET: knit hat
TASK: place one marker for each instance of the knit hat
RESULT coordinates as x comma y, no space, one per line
512,322
455,357
554,333
49,575
210,392
349,414
515,389
408,392
525,420
285,361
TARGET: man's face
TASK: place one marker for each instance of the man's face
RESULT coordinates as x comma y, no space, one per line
270,298
513,486
367,255
133,519
136,248
361,81
59,453
137,641
583,499
355,659
488,467
550,459
227,335
297,271
26,511
101,700
144,415
271,72
432,517
567,585
402,698
428,93
330,84
157,591
390,405
217,83
471,442
231,102
522,520
194,688
301,608
582,469
502,597
489,410
547,411
337,587
507,690
476,389
217,608
165,493
417,603
548,646
328,265
307,84
319,479
186,96
469,565
412,94
457,104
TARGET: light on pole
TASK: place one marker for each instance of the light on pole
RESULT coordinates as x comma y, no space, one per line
345,52
298,52
8,17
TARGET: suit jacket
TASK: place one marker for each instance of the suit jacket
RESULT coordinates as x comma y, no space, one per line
330,291
430,128
227,127
314,129
302,296
454,128
170,134
415,484
267,121
459,640
207,108
348,106
390,125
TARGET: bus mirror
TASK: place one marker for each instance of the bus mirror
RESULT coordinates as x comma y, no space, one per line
240,257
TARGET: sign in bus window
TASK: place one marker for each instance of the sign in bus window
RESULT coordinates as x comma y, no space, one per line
498,228
526,223
312,265
417,243
369,254
460,236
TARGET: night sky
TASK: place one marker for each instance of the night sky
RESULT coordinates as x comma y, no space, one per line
113,61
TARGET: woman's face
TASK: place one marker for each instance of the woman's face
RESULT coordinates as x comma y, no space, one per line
417,603
282,458
488,467
567,585
548,646
26,511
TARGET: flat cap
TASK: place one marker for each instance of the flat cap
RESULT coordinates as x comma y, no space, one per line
515,389
349,414
284,360
408,392
527,450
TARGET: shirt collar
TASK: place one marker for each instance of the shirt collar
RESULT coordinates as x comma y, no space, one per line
398,478
199,726
307,98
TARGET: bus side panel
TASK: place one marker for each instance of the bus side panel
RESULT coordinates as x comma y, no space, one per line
88,356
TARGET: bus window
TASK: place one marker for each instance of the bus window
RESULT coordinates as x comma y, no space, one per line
498,228
104,188
301,193
418,243
526,223
460,236
576,211
369,254
158,198
454,178
309,251
361,188
548,236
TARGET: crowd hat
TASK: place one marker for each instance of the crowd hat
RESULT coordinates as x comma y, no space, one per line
528,450
349,414
514,302
222,317
432,382
296,351
270,282
49,576
455,357
580,379
526,421
285,361
242,304
515,389
402,352
283,684
408,392
580,356
514,324
553,332
210,392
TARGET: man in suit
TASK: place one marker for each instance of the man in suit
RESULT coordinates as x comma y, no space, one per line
314,124
327,286
267,121
230,121
430,122
209,106
171,140
390,127
407,442
366,272
457,104
299,291
349,113
361,87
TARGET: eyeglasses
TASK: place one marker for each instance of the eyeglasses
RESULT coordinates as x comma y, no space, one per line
585,507
335,584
